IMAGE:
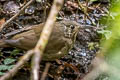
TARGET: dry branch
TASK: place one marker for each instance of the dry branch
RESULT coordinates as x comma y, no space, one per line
101,66
57,5
12,18
13,71
48,29
85,11
45,71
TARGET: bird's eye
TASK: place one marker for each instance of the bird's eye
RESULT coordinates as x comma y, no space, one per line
72,27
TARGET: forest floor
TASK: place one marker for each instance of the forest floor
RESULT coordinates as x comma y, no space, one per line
76,64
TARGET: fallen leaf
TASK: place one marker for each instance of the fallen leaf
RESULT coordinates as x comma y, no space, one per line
2,21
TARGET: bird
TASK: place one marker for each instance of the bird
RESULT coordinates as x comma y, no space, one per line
60,42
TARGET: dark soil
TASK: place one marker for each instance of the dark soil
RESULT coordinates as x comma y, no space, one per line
77,63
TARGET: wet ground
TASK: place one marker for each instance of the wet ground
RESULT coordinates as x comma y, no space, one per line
77,63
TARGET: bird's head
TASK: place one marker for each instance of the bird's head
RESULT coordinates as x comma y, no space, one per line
71,28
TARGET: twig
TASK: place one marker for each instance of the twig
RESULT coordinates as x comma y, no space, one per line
85,12
12,72
100,66
12,18
57,4
45,71
27,56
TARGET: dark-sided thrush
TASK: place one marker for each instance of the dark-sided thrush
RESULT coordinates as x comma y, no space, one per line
60,42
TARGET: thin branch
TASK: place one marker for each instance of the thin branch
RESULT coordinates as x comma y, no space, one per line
27,56
12,18
101,66
13,71
57,5
45,71
85,11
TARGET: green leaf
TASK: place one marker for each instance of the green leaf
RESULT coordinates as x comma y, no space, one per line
38,0
6,67
106,33
15,52
2,73
93,0
10,67
3,67
9,61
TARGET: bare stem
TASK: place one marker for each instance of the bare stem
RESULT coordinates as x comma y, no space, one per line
12,72
57,5
12,18
45,71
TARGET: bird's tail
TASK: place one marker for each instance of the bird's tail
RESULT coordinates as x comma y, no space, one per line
3,44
